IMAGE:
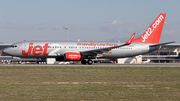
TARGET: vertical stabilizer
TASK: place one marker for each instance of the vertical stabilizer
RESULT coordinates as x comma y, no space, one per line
153,32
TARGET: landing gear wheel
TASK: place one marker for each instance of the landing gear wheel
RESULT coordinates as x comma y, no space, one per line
83,62
90,62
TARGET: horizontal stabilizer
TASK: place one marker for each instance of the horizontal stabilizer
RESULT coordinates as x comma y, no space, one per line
162,44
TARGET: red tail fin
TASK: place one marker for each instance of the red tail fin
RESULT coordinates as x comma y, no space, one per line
153,32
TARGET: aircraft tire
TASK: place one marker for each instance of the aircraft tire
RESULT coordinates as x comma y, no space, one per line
83,62
90,62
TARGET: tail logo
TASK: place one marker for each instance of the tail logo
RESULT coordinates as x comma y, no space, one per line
150,30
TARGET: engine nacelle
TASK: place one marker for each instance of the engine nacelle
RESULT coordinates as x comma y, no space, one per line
72,56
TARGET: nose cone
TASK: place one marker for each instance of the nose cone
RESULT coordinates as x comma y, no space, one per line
6,51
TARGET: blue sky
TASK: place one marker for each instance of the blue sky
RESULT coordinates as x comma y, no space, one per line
87,19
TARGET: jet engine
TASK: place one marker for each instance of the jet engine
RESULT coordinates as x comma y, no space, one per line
72,56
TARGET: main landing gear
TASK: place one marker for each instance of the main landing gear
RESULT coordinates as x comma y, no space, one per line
83,62
89,62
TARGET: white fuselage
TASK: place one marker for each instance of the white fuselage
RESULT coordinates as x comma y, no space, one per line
58,49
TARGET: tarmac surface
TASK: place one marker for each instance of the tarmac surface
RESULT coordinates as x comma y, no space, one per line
104,65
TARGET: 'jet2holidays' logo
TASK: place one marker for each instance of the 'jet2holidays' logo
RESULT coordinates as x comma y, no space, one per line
150,30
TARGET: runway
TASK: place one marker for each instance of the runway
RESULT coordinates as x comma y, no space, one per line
103,65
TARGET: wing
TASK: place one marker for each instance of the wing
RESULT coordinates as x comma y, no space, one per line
5,45
108,49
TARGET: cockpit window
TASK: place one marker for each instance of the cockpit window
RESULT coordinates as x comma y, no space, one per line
13,46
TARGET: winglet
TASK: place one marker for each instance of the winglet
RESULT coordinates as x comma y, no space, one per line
130,39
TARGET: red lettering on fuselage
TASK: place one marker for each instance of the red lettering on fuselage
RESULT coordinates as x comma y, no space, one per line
37,50
45,49
29,50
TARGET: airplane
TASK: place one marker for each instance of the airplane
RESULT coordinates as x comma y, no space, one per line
86,51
